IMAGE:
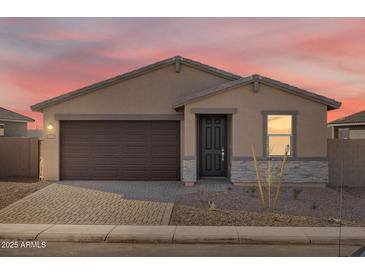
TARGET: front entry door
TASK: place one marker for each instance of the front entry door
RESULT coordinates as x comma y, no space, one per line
212,146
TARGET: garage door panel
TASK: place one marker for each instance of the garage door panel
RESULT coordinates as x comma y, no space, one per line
171,132
164,141
134,143
163,175
106,161
163,152
105,173
105,150
77,174
136,175
136,150
162,169
134,168
164,125
166,161
133,138
102,139
120,150
134,161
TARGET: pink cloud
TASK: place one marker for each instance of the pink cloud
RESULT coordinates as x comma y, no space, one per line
42,58
349,106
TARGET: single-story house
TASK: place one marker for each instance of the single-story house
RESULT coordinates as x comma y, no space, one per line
349,127
179,119
13,124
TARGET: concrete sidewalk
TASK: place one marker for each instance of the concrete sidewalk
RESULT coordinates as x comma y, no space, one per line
182,234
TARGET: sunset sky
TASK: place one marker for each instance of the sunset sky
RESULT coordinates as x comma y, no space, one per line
42,58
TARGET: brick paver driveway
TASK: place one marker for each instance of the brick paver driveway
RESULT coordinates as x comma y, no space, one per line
158,191
64,204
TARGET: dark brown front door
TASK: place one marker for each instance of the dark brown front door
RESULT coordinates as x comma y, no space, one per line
120,150
213,158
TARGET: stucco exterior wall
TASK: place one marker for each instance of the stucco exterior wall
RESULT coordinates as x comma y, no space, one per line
14,129
247,128
151,93
247,123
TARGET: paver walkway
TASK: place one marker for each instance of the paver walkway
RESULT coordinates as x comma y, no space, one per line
63,204
161,191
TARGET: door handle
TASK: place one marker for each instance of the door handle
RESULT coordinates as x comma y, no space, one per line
222,152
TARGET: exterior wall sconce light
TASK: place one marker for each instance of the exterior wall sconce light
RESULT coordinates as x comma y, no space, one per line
50,126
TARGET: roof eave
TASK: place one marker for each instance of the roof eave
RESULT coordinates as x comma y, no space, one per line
17,120
330,103
360,123
131,74
334,106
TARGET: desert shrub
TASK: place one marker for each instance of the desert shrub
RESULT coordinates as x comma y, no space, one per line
251,190
296,193
211,205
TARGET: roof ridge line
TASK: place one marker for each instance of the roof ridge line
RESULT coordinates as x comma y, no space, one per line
333,104
352,118
131,74
18,116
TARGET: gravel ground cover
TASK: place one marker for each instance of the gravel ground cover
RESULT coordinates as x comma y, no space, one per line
184,215
11,191
241,206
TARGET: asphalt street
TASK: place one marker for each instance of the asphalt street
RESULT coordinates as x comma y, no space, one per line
175,250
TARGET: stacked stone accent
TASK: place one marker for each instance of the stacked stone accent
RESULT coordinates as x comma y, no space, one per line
315,171
189,171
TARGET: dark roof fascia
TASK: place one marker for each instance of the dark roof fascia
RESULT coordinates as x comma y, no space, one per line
16,120
349,124
351,119
18,117
331,104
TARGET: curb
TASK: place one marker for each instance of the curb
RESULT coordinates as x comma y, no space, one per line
182,234
167,214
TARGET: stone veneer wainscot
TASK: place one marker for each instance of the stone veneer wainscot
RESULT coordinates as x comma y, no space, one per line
296,171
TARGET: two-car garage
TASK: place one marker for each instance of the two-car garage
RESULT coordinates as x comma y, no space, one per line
120,150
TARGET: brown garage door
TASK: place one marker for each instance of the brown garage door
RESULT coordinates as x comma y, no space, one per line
120,150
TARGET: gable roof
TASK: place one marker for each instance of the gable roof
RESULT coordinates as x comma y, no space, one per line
134,73
331,103
8,115
358,117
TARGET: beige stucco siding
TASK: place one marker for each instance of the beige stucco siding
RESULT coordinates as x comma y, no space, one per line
151,93
247,123
156,92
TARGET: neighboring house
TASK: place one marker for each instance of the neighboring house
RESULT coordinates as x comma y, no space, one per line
35,133
13,124
179,119
349,127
